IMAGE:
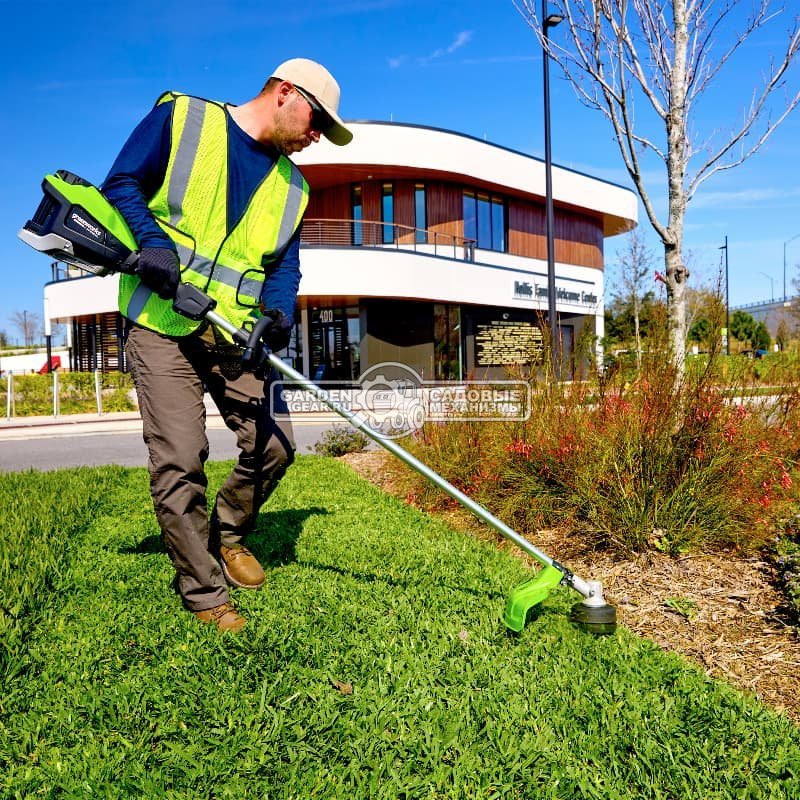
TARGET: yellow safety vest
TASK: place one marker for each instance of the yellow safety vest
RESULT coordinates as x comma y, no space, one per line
191,208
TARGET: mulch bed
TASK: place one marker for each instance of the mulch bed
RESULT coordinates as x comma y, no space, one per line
720,610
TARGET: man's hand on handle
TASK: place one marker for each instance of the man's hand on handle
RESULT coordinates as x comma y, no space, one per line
279,331
159,270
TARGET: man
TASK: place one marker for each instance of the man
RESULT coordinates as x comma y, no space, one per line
212,199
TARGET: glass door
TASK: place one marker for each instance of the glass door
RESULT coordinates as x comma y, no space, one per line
334,344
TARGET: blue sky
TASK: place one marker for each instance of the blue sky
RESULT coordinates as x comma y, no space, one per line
78,76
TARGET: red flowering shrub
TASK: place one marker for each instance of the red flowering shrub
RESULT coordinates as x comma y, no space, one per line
635,464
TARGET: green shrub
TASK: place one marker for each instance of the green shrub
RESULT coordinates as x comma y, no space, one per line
33,394
339,440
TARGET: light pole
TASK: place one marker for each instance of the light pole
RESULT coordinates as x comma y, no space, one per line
555,356
771,286
727,303
784,262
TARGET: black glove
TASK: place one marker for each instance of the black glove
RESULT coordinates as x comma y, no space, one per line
279,331
159,270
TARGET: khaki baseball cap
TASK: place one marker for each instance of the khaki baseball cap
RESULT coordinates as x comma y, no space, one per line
315,80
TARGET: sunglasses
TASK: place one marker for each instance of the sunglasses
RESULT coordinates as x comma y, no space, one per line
320,119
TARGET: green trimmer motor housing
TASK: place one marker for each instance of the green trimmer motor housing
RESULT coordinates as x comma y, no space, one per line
74,223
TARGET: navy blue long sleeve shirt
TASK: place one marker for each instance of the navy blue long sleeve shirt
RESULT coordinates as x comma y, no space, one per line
139,171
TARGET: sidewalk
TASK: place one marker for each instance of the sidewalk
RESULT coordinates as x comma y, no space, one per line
116,421
66,424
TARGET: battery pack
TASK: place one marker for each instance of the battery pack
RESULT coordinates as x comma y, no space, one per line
74,223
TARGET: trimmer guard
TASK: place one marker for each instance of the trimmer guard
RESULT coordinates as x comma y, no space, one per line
529,594
74,223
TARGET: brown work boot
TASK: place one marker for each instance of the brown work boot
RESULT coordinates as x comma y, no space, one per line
225,617
241,567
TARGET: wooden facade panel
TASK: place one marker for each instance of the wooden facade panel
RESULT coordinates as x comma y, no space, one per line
445,210
525,218
332,203
404,211
371,195
523,243
526,230
97,343
578,239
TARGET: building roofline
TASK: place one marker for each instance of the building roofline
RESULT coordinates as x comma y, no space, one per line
488,143
413,150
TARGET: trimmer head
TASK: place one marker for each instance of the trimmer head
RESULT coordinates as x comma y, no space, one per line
594,615
599,620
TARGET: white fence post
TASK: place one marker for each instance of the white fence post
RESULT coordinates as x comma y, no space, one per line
10,394
97,392
55,393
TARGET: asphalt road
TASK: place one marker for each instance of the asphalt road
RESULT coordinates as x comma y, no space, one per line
51,447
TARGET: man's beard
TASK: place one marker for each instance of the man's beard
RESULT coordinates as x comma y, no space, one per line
285,141
286,144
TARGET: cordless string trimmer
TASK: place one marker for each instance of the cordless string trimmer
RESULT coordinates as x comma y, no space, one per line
75,224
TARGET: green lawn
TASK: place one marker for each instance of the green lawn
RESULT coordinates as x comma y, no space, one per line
110,690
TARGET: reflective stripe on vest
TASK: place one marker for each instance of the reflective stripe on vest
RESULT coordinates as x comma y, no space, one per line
191,208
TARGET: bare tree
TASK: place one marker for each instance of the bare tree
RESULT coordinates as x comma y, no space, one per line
783,333
645,65
27,323
58,333
705,299
635,265
706,315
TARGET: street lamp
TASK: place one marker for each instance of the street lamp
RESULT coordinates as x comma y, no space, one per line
771,286
727,303
784,262
549,22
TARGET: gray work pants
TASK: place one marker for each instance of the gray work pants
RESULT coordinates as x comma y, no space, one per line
169,375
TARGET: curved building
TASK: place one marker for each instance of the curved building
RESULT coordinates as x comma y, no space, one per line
420,246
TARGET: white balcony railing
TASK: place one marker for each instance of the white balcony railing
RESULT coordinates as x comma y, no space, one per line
370,233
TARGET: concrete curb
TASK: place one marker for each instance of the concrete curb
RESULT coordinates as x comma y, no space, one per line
72,424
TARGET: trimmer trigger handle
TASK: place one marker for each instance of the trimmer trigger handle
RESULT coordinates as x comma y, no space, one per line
192,302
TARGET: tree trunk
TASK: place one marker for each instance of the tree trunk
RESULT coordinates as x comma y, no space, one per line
676,274
677,158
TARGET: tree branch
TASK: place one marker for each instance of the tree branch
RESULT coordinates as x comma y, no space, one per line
757,107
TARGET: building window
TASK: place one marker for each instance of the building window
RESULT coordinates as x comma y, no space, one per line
357,212
387,213
470,216
498,225
420,214
485,220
